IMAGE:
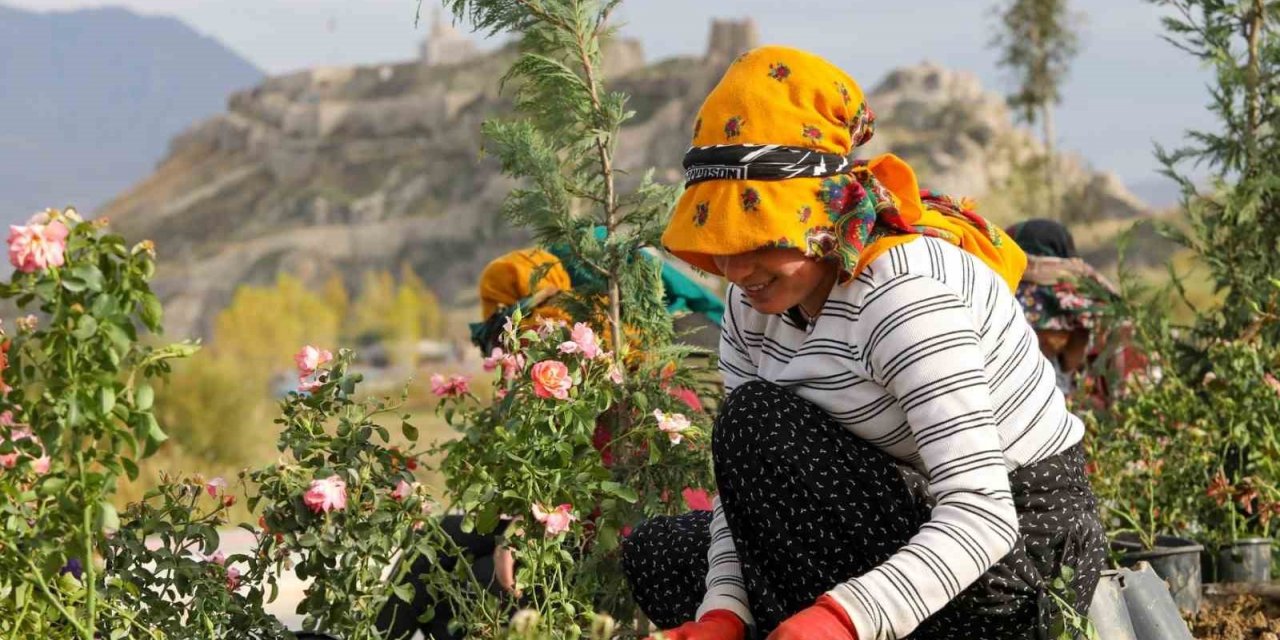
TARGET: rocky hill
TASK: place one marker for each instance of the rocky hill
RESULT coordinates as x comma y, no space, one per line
340,170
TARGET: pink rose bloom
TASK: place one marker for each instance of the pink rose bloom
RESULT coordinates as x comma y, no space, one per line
512,365
697,499
327,494
37,245
233,578
309,359
219,558
451,387
403,490
568,347
615,374
672,424
494,360
551,380
501,394
585,338
214,486
556,521
307,386
687,396
41,465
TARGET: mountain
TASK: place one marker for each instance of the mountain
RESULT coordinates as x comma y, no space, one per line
92,97
338,170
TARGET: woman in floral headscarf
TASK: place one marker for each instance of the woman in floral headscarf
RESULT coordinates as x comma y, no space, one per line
1061,294
893,456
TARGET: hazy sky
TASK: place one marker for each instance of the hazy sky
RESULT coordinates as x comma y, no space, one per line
1127,88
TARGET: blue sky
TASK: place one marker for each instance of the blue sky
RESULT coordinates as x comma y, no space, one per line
1127,88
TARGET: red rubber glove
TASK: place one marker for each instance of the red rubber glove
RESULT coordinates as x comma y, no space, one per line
717,624
824,620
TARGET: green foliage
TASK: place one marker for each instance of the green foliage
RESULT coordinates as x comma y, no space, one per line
530,449
1234,225
81,382
1190,445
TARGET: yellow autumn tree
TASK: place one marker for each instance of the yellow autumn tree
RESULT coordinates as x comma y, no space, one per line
264,326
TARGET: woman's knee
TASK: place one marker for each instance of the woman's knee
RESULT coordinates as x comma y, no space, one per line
757,413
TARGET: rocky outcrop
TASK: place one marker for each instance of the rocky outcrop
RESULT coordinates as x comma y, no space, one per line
338,170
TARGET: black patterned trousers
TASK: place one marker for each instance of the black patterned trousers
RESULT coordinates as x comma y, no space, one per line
811,505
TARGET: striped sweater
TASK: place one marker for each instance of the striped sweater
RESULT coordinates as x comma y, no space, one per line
926,355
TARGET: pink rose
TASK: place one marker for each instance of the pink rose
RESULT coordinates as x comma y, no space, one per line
38,244
41,465
327,494
307,386
219,558
568,347
451,387
403,490
501,394
215,486
233,578
673,424
551,380
309,359
615,374
585,338
556,521
512,365
494,360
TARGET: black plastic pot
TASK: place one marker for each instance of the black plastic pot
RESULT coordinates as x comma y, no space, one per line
1175,560
1247,560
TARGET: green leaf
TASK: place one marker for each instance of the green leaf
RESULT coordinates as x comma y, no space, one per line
405,591
620,490
155,435
73,284
88,274
130,468
409,431
52,486
86,326
108,518
143,396
117,336
152,313
107,400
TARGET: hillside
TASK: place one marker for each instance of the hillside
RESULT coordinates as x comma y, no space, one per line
341,170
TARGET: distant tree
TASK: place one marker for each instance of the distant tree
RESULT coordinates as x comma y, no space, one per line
263,326
1037,40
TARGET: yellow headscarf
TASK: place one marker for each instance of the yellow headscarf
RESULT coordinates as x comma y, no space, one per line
506,281
776,95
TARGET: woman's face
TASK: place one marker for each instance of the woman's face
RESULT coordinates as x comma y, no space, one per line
775,280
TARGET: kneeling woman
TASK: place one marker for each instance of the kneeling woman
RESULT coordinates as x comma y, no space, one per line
894,457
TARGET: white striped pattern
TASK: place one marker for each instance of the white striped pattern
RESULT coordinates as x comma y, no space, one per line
927,355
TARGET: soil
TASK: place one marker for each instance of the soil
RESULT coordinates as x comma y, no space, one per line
1239,617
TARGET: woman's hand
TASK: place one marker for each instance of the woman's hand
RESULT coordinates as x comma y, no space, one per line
717,624
824,620
504,568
